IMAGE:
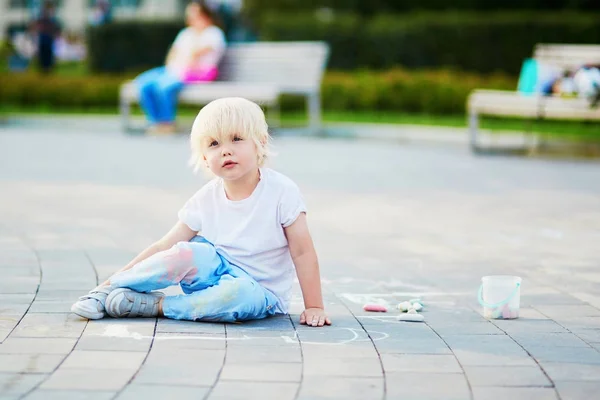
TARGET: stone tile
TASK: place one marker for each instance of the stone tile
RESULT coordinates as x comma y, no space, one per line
413,346
29,363
268,372
420,363
571,371
18,384
50,326
575,324
4,332
577,390
582,355
37,345
23,298
276,323
228,390
548,339
199,374
347,351
579,310
13,309
188,359
506,376
409,385
69,395
103,343
51,306
341,388
82,359
255,355
148,391
466,328
589,335
518,393
179,342
529,326
173,326
528,313
88,379
477,358
365,368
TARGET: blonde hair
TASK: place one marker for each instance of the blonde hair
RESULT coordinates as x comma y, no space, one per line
226,116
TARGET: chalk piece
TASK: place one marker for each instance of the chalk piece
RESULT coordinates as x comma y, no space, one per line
404,306
417,306
374,308
411,317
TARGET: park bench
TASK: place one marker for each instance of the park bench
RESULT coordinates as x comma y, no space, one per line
514,104
260,72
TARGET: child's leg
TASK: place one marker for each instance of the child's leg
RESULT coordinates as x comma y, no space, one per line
147,84
195,264
231,299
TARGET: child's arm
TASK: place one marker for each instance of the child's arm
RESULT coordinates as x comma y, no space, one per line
180,232
307,268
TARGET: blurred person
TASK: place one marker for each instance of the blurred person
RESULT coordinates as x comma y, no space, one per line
25,48
48,29
193,57
237,242
101,13
69,47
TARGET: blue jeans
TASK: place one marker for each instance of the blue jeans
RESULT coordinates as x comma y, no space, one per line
215,289
158,94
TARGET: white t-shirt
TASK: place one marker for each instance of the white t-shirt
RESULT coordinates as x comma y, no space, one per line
249,233
190,40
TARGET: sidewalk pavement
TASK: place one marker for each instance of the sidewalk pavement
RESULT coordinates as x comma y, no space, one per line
390,223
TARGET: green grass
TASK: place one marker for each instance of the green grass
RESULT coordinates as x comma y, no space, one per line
570,130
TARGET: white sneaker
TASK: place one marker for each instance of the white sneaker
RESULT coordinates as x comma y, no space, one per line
127,303
91,306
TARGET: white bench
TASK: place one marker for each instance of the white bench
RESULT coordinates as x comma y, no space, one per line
260,72
509,103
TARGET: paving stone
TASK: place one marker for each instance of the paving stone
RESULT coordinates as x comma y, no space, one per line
578,390
88,379
506,376
467,328
571,371
23,298
178,342
18,384
583,355
50,325
519,393
548,339
229,390
588,335
529,326
341,388
558,311
427,386
347,367
348,351
412,346
83,359
148,391
575,324
268,372
103,343
49,394
420,363
198,375
37,345
13,310
29,363
255,355
169,325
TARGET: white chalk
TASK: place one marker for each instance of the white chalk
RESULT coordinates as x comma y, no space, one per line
404,306
411,317
417,306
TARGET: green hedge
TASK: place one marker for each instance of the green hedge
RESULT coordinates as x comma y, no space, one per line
257,7
432,92
130,46
483,42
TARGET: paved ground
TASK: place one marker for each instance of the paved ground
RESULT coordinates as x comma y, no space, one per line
390,221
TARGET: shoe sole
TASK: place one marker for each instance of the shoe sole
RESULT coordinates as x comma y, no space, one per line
86,313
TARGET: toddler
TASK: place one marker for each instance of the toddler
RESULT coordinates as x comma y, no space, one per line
236,244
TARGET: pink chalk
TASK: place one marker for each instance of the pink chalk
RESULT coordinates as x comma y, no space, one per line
374,307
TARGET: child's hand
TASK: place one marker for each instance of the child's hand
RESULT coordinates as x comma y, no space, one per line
314,317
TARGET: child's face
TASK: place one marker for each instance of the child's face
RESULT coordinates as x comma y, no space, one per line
232,156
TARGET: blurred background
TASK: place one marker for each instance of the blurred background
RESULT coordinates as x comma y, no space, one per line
393,61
